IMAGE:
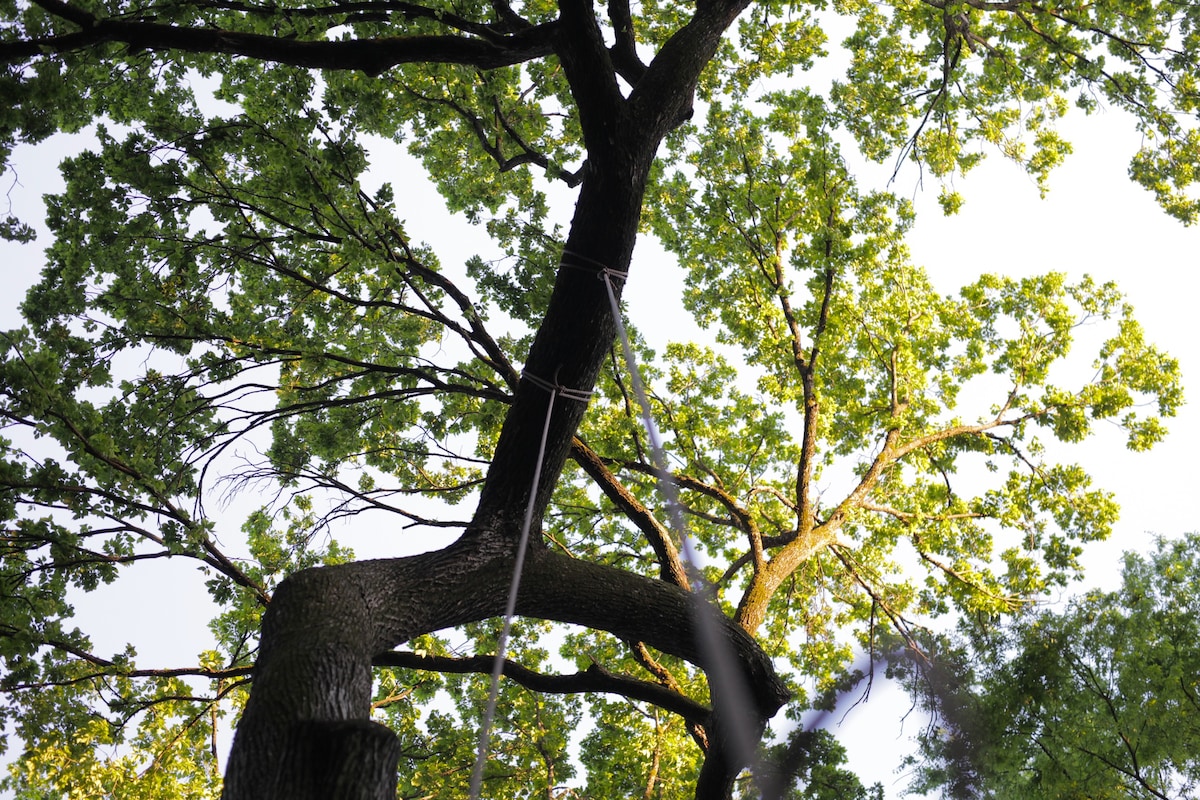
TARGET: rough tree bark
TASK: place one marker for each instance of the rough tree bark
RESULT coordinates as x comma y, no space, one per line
312,688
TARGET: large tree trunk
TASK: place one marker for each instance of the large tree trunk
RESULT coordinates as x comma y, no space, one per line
305,732
312,682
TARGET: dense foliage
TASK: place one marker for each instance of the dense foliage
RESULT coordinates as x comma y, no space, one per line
232,305
1097,700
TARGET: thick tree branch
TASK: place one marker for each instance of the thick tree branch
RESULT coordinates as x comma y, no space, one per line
371,10
664,95
590,72
753,606
642,655
624,50
594,679
372,56
670,565
806,506
325,626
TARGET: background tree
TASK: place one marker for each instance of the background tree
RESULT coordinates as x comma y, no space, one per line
1098,700
232,301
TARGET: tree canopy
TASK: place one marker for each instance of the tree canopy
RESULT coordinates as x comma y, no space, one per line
232,305
1098,700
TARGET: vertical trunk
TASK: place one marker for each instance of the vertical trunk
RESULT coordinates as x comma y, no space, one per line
313,680
571,343
312,683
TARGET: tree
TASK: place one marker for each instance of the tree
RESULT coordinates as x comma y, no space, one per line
231,300
1098,700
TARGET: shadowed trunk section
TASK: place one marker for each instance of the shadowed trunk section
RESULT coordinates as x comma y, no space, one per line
312,687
